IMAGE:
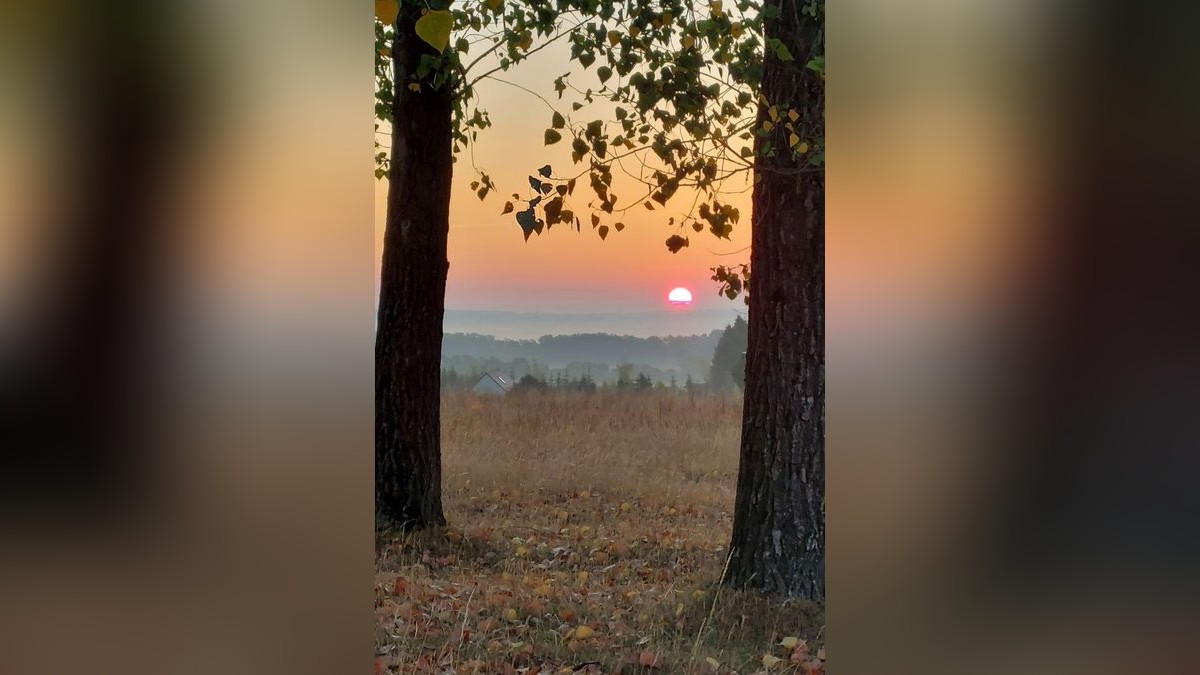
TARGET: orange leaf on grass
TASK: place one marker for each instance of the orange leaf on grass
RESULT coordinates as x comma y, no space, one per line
649,660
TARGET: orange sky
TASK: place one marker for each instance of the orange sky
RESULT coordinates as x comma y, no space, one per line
492,267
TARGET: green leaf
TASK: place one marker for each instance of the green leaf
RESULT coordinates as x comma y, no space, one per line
434,28
552,137
557,121
604,72
781,51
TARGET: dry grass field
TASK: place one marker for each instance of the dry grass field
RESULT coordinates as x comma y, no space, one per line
587,533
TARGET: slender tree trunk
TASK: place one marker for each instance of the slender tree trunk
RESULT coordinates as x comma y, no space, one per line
778,541
412,297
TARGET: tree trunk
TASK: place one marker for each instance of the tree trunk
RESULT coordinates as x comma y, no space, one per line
778,543
412,296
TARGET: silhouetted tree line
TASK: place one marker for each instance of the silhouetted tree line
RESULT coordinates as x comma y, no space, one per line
725,370
627,381
671,352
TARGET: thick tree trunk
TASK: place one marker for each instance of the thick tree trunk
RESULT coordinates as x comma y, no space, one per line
778,541
412,295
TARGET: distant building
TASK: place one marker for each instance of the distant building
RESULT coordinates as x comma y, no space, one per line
494,382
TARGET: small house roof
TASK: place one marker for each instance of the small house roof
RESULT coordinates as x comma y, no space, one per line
500,378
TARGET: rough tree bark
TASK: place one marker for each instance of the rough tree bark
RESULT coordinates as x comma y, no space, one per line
412,294
778,543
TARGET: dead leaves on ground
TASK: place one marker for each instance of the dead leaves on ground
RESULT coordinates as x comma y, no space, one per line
578,582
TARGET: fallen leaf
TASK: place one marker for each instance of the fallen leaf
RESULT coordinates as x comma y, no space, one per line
649,660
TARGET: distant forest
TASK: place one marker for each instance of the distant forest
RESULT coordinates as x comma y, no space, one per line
599,357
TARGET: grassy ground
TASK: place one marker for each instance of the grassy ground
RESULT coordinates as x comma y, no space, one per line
587,534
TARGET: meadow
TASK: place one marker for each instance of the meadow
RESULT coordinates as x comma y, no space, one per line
586,533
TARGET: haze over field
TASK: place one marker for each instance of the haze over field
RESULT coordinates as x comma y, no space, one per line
533,325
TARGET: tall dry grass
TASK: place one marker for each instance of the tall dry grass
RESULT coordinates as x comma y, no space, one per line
666,445
583,529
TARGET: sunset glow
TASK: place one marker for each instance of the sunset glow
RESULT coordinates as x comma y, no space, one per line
679,296
493,267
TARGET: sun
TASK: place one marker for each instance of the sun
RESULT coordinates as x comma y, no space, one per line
679,296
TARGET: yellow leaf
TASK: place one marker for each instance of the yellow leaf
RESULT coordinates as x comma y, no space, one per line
413,86
789,642
802,148
793,140
687,41
769,662
736,29
773,111
434,28
626,506
494,4
582,577
386,11
510,614
715,6
793,115
768,126
713,662
522,551
613,38
584,632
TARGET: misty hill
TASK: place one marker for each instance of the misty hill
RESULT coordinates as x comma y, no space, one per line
532,325
556,351
596,355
